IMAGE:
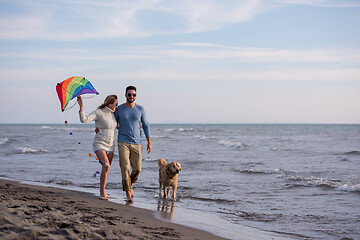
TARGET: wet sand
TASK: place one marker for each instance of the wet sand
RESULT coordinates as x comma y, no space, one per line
35,212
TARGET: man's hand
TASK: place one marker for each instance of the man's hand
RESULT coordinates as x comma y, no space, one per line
149,147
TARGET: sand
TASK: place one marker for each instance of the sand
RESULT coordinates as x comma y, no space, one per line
34,212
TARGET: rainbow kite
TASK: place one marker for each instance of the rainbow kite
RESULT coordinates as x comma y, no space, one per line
73,87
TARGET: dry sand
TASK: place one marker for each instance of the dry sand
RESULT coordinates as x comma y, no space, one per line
34,212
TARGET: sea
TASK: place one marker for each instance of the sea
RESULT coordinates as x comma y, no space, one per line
283,181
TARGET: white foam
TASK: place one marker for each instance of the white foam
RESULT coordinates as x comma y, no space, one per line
232,144
158,136
349,188
31,150
150,159
278,149
201,137
310,181
4,140
317,181
179,130
66,128
274,171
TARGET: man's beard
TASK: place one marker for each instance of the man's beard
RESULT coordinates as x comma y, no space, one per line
130,101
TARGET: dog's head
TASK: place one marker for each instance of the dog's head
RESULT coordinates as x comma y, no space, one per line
174,167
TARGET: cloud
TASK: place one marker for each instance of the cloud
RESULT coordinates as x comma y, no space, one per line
199,44
183,61
262,55
323,3
72,20
101,19
188,51
284,74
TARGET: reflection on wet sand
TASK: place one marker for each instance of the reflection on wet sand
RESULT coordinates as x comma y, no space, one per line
166,207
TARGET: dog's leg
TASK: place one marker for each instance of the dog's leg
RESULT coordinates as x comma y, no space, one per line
165,192
160,189
168,191
174,187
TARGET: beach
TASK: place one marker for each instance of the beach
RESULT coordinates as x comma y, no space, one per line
35,212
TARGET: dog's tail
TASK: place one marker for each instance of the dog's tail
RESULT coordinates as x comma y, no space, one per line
161,162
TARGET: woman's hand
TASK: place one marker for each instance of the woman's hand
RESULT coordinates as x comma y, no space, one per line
80,102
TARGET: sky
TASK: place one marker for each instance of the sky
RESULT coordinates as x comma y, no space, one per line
192,61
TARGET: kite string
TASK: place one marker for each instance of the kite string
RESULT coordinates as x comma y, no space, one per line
87,97
68,108
76,102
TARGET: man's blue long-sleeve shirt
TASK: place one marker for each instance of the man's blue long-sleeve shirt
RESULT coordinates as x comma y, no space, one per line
130,121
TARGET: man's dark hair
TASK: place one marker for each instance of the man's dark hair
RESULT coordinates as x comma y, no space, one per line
130,88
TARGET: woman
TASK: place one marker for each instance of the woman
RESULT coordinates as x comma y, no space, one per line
104,140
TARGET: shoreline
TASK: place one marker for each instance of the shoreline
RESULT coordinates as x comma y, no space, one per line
51,212
37,212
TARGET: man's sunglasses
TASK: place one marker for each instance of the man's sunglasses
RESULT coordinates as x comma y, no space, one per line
129,95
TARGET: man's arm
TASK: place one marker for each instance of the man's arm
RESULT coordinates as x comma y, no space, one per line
146,128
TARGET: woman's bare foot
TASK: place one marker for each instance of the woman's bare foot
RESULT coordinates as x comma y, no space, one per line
104,196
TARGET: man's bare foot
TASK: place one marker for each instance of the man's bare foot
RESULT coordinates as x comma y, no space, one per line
128,197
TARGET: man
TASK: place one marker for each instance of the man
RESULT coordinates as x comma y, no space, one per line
131,118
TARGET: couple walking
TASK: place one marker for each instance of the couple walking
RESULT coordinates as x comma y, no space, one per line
129,118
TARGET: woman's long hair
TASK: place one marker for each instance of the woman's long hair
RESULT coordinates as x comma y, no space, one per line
108,100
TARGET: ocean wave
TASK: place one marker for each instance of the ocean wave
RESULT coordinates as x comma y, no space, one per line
312,181
66,128
258,217
179,130
150,159
252,171
4,141
303,181
205,199
334,184
60,182
233,144
109,185
348,187
352,153
89,185
159,136
278,149
203,137
25,150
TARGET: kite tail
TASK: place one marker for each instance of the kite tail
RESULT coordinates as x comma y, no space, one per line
94,175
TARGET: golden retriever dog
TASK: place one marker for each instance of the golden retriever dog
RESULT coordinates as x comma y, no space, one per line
168,177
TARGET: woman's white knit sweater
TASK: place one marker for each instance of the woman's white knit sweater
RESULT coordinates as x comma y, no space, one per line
105,121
